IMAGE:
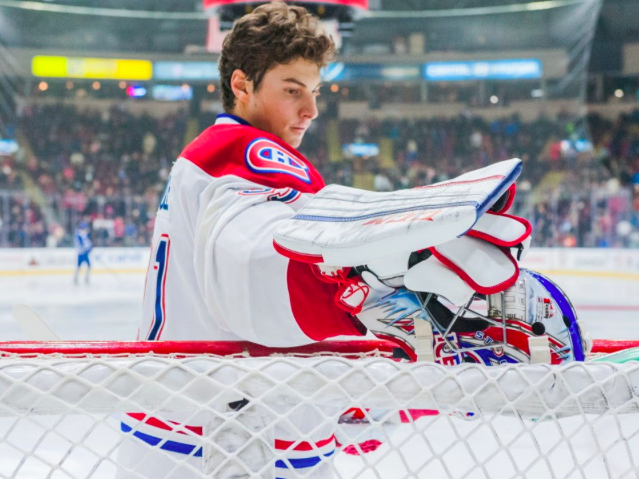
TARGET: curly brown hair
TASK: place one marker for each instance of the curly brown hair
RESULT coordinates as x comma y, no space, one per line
274,33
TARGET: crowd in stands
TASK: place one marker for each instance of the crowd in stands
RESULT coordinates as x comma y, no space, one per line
110,168
105,167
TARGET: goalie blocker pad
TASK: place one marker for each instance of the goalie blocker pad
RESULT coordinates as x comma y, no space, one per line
344,226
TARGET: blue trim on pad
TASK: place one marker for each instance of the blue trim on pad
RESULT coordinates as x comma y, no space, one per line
480,207
342,219
301,463
172,446
496,194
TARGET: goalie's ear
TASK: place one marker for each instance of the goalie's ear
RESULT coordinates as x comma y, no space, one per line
505,201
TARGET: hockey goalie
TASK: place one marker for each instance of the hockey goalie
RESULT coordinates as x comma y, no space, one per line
433,269
250,244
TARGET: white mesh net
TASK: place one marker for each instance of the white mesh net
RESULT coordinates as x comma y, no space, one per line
194,416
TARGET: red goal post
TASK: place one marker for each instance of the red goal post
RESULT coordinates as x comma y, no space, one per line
348,348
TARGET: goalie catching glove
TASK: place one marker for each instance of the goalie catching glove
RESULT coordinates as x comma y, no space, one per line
451,240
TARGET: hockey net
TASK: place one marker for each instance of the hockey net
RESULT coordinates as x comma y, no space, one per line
331,410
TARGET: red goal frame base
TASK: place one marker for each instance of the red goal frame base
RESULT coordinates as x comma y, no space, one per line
230,348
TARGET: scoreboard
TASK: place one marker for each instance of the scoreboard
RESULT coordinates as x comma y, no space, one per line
337,15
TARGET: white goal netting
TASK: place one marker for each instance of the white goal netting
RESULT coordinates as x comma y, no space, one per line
125,413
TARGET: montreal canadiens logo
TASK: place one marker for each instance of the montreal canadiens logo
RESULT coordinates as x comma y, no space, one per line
266,156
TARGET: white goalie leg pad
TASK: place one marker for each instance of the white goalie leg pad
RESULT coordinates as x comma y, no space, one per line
287,442
231,445
240,444
167,446
305,443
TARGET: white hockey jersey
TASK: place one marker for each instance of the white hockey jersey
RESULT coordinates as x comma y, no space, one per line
214,273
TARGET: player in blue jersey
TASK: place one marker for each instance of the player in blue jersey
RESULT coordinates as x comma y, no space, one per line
83,247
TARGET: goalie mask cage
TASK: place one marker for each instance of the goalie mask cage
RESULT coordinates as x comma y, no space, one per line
330,410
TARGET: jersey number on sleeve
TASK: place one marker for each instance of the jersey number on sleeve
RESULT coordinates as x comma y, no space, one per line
161,264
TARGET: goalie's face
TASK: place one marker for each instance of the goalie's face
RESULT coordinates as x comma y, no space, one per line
285,102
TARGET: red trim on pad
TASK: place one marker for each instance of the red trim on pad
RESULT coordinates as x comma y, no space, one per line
499,242
477,287
297,256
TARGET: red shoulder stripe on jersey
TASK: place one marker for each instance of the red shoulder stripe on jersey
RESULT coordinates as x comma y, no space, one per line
254,155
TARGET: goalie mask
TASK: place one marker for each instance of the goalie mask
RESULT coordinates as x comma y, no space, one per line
488,330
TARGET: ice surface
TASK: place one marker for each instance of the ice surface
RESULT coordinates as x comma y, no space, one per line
110,306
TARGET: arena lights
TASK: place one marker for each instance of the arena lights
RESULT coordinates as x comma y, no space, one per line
43,86
362,150
619,93
164,70
172,92
8,147
136,91
483,70
102,68
369,71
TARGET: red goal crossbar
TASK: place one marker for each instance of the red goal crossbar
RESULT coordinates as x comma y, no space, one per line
229,348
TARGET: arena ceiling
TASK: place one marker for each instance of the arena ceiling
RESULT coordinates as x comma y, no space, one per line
171,26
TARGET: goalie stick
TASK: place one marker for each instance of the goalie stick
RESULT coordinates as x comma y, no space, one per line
32,324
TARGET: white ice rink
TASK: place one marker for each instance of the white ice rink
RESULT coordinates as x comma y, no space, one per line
109,307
